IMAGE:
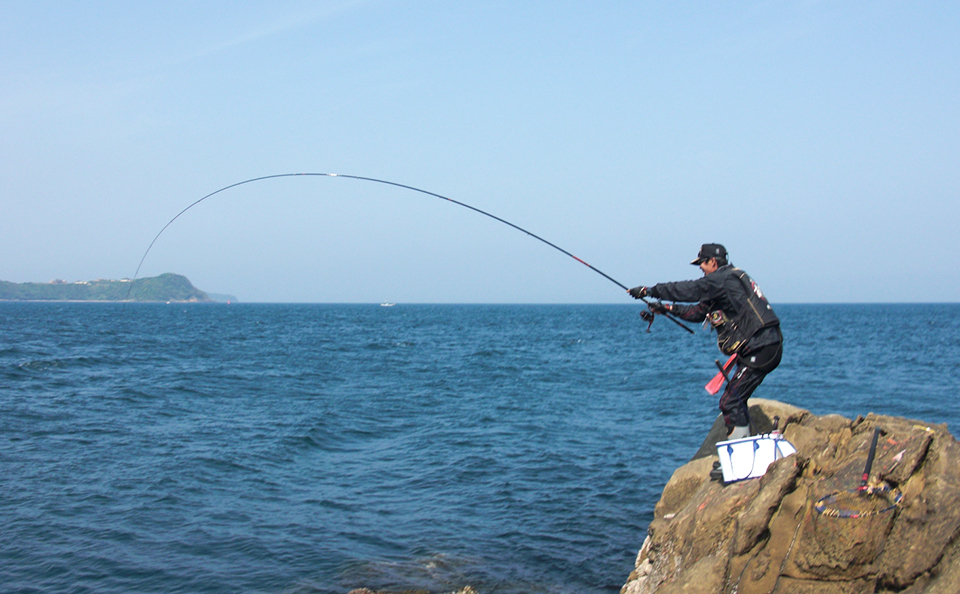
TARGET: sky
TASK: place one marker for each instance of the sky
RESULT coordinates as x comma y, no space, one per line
819,141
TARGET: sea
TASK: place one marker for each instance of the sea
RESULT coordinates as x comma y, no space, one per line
278,448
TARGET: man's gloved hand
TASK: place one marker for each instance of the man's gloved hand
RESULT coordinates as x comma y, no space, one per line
658,307
639,292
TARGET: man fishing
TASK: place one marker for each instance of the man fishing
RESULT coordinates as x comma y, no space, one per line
746,326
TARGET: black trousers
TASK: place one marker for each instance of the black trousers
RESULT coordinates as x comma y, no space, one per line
745,380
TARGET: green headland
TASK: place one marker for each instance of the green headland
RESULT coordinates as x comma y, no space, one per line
166,287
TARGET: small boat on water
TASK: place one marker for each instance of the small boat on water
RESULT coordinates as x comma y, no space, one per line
385,304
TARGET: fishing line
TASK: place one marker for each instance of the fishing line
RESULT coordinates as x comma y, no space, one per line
398,185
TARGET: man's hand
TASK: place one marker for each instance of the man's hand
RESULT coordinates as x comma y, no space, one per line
658,307
639,292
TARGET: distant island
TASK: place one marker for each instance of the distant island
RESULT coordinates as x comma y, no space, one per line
163,288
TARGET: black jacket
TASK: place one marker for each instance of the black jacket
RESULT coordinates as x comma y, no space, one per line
727,289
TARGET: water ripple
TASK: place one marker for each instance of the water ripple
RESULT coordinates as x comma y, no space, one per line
317,449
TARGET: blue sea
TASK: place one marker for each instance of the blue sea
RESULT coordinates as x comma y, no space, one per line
259,448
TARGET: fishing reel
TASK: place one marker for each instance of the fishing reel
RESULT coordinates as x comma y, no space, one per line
717,319
649,315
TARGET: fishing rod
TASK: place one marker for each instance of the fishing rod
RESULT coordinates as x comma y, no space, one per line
406,187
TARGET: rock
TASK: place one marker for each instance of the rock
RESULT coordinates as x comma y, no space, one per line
765,535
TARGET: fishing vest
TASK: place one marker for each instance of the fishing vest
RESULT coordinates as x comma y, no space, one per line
754,315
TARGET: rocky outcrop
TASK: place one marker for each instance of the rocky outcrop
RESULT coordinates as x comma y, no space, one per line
766,535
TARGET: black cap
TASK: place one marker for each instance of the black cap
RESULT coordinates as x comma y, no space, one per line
710,250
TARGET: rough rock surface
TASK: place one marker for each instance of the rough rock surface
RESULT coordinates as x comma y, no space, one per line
765,535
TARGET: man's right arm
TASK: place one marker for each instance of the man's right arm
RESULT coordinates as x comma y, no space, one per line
690,313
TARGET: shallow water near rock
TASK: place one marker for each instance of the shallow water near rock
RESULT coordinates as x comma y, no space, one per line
320,448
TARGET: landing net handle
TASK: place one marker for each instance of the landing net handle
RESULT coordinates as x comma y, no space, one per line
865,500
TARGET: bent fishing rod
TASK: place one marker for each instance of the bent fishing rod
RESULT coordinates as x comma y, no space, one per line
406,187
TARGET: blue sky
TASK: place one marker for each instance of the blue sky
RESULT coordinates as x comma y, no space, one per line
819,141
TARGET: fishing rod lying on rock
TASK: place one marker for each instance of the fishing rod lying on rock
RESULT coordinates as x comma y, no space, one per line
406,187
